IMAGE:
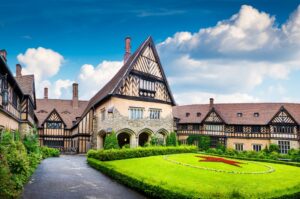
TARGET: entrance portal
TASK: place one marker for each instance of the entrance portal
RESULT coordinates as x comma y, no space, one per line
123,139
143,139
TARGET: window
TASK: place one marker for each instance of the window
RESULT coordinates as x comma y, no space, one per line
239,147
256,114
54,125
147,85
239,114
196,127
256,147
183,126
238,129
198,114
255,129
187,114
284,146
155,113
214,127
102,114
15,100
283,129
136,113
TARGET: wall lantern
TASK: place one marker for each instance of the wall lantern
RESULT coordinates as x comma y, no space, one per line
4,89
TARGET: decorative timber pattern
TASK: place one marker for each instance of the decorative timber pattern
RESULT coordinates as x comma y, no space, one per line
130,86
147,63
213,117
283,117
54,117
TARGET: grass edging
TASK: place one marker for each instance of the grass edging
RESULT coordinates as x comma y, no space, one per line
296,164
153,191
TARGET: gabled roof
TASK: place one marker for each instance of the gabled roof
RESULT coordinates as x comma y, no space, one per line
26,82
228,112
112,85
63,107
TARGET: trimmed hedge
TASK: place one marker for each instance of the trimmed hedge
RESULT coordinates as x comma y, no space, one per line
49,152
153,191
115,154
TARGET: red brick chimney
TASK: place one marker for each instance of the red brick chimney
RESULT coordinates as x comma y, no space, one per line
127,48
75,95
45,93
3,53
18,70
211,102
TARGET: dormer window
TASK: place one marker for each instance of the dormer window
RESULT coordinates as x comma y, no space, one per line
256,114
198,114
187,114
239,114
147,88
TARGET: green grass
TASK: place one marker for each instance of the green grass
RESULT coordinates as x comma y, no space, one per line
200,183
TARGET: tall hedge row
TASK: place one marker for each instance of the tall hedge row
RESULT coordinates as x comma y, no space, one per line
115,154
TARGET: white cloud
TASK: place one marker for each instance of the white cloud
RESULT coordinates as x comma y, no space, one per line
183,98
92,79
41,62
235,56
44,64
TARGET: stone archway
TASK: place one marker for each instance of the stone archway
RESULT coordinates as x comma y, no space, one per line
100,139
144,137
126,136
123,139
162,136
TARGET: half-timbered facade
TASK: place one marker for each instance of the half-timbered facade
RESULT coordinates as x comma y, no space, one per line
242,126
18,113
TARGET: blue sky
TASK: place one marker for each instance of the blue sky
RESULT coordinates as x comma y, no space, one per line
84,37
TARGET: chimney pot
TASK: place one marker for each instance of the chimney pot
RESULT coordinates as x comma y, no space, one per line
211,102
127,48
75,95
45,93
3,53
18,70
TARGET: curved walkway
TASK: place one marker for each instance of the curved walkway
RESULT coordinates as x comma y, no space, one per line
69,177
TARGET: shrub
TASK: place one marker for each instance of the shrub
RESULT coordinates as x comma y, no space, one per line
113,154
171,139
31,143
272,148
192,138
204,142
49,152
126,146
111,141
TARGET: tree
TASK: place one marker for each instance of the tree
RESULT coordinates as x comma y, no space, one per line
111,141
171,139
204,142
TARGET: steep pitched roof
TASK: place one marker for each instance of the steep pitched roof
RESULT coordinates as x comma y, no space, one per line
26,82
113,84
228,112
63,107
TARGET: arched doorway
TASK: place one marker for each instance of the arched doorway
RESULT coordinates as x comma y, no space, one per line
123,139
162,135
143,138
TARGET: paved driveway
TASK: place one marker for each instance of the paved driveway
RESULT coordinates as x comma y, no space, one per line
69,177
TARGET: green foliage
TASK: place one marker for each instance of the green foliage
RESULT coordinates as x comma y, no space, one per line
171,139
111,141
126,146
49,152
192,138
31,143
113,154
156,141
204,142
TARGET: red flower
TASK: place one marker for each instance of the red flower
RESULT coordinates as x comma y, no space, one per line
217,159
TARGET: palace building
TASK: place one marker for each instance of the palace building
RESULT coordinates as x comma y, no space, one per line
137,104
246,126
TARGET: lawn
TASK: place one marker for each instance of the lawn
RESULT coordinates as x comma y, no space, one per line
192,176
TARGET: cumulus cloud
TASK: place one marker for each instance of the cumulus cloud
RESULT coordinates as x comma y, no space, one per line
44,64
236,55
93,78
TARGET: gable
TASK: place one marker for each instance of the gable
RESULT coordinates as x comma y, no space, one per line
283,117
213,117
53,117
145,78
147,63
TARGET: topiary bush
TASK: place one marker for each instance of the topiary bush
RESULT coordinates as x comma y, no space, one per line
111,141
171,139
204,142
